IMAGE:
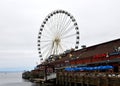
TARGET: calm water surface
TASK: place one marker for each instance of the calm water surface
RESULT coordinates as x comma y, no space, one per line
14,79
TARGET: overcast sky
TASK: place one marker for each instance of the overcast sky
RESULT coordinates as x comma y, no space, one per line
20,20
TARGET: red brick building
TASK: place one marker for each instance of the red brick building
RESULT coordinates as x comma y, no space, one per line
100,54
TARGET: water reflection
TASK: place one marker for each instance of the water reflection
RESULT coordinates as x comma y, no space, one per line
15,79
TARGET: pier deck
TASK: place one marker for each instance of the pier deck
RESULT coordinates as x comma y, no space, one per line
87,79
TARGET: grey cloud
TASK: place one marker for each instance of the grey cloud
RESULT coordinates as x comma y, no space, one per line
20,20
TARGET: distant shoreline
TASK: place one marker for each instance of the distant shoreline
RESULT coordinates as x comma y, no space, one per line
11,71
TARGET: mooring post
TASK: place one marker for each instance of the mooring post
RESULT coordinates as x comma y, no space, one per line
82,81
99,81
45,73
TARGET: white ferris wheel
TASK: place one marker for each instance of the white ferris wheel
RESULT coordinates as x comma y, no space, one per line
58,32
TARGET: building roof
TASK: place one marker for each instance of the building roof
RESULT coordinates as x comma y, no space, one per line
102,48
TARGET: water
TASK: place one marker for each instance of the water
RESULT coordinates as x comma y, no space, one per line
14,79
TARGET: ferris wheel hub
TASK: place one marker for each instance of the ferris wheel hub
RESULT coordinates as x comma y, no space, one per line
57,40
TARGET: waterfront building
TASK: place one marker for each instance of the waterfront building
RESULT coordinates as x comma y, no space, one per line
97,65
107,53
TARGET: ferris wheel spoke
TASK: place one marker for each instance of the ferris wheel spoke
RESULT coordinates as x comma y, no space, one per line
45,40
66,25
63,19
65,46
68,36
48,31
52,28
54,48
59,21
47,51
44,51
46,36
49,24
51,31
68,30
63,23
55,22
57,49
68,42
47,54
58,24
50,50
44,46
62,50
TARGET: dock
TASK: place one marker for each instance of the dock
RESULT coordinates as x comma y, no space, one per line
87,79
97,65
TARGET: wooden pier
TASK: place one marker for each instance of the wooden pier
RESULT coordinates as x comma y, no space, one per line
87,79
93,58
